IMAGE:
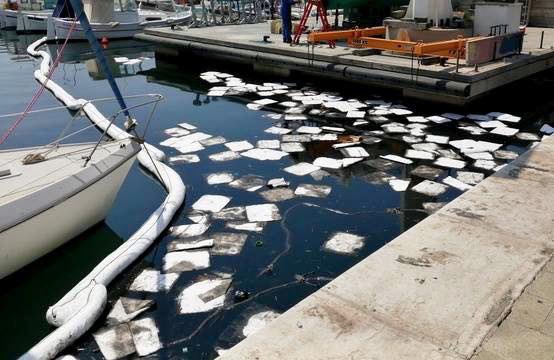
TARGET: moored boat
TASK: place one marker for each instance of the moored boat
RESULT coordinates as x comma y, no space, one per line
108,19
158,13
50,195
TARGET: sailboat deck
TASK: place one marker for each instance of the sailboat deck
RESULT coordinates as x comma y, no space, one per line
64,161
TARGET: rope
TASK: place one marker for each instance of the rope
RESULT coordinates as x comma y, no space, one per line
37,95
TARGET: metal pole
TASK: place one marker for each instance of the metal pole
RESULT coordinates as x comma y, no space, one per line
542,39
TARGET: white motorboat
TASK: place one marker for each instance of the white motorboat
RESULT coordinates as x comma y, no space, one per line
49,196
108,19
8,14
33,16
158,13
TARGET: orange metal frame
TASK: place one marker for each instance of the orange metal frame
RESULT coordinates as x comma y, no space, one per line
363,38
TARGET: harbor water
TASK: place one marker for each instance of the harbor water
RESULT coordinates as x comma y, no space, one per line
278,266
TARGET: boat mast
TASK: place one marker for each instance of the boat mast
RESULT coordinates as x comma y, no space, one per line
77,6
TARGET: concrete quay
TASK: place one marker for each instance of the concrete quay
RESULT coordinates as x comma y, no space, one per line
474,280
244,44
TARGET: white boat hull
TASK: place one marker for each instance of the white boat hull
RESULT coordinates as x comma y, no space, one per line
32,22
61,29
42,233
8,19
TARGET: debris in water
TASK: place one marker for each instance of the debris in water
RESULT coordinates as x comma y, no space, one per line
184,159
189,244
308,130
126,309
485,164
417,119
480,156
318,175
427,172
246,226
301,169
265,154
473,130
399,185
505,131
350,161
262,213
187,126
325,137
429,147
505,155
151,280
228,243
211,203
233,213
469,177
268,144
292,147
418,154
277,130
354,152
219,178
449,154
450,163
181,261
249,183
115,342
439,119
258,321
477,117
265,102
278,182
238,146
396,158
437,139
430,188
224,156
176,132
204,295
509,118
188,148
344,243
453,116
190,230
277,195
455,183
382,164
318,191
527,136
296,138
431,207
491,124
145,336
216,140
328,163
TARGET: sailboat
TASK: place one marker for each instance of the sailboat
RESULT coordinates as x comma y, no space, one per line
50,194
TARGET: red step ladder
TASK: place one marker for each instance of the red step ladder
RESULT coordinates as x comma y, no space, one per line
321,12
